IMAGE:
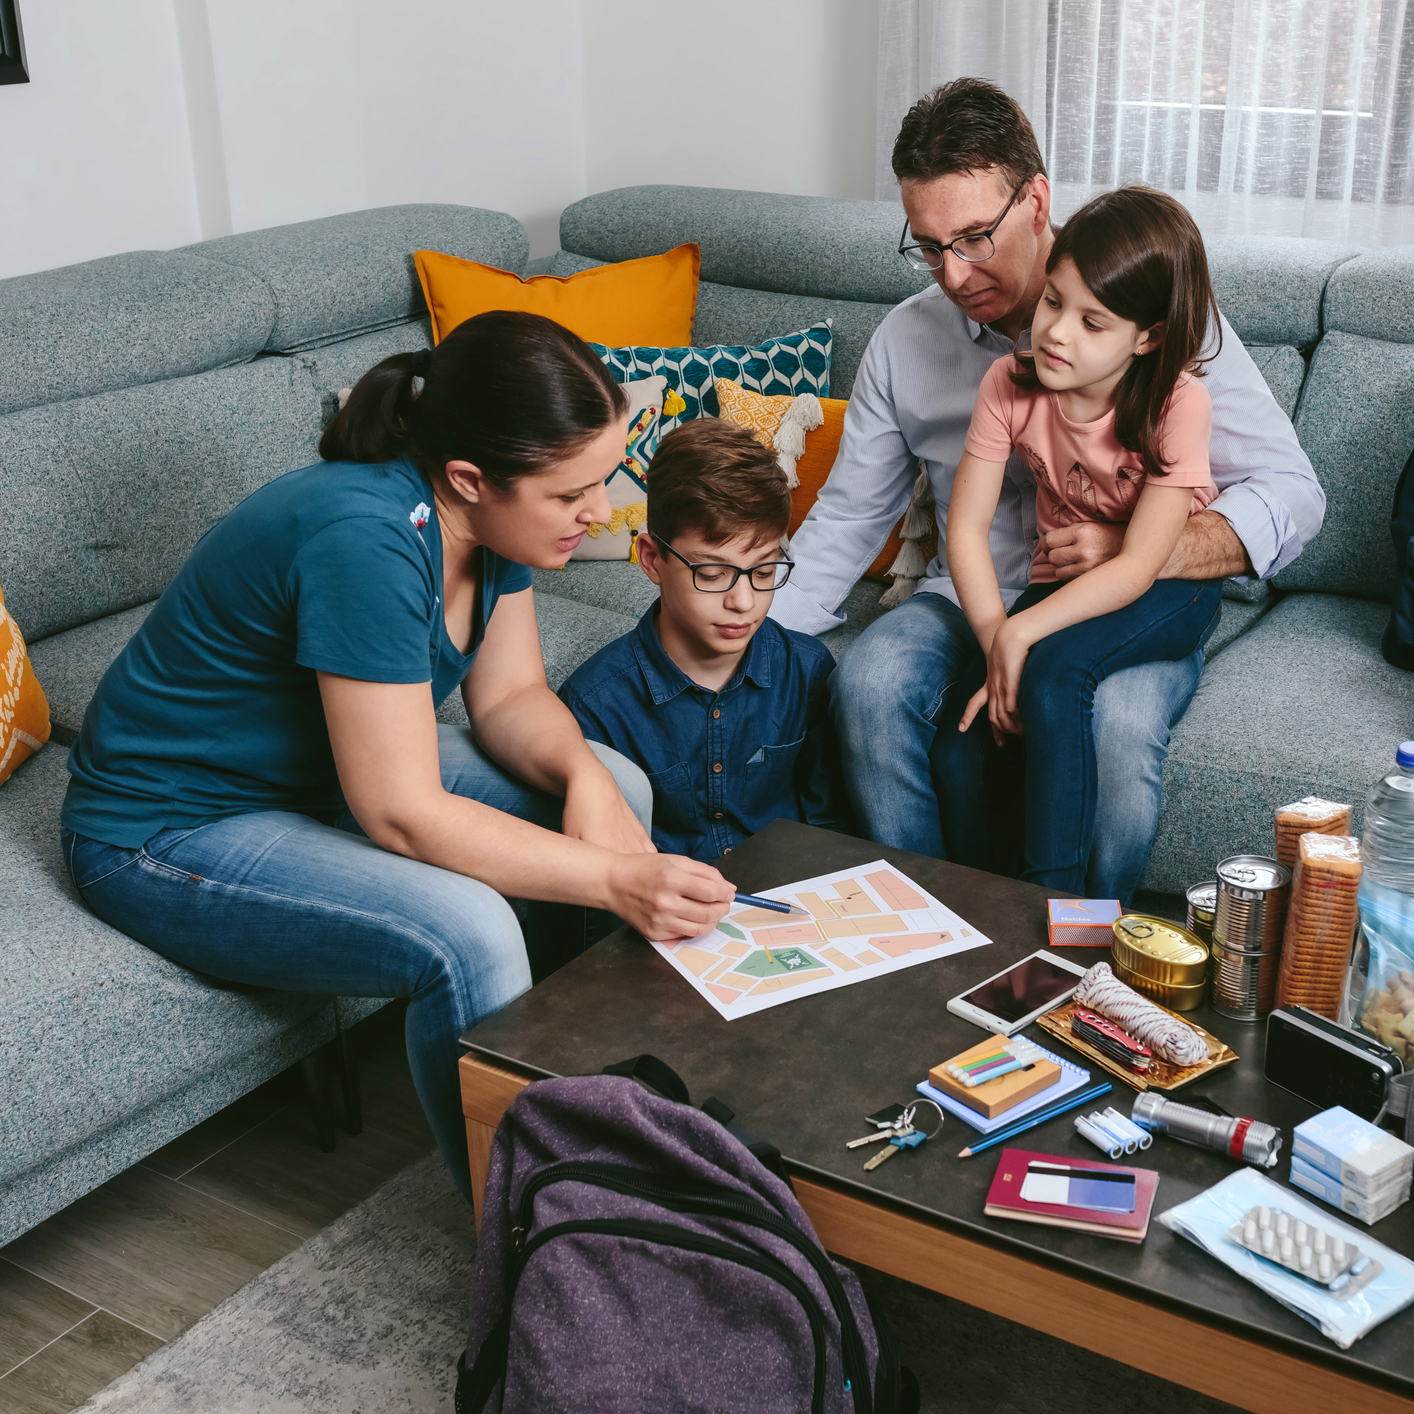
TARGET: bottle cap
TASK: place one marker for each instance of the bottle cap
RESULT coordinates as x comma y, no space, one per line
1405,755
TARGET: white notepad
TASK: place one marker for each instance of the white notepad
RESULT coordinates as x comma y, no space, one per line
1072,1077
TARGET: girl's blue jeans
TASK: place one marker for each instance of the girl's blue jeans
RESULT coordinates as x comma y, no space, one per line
1167,623
275,899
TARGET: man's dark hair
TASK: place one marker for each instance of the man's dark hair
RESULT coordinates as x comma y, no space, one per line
968,125
714,477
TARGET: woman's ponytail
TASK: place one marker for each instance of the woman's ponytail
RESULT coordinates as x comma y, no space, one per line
510,393
372,425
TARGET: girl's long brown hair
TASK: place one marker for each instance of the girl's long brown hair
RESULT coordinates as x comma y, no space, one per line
1140,254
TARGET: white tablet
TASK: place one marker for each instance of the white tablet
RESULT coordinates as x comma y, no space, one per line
1015,998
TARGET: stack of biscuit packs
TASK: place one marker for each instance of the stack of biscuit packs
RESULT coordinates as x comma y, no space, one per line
1312,815
1320,923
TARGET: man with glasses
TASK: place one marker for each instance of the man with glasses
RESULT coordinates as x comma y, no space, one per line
725,712
977,199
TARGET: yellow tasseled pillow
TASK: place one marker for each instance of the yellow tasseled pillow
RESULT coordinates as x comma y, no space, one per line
24,710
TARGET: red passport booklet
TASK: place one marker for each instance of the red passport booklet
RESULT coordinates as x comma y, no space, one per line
1004,1199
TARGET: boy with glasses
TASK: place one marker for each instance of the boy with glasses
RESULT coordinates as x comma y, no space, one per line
725,711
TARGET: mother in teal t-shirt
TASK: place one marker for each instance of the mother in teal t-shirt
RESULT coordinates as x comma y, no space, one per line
261,790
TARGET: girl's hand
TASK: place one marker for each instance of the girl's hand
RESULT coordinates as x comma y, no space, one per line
667,896
597,813
1005,661
975,703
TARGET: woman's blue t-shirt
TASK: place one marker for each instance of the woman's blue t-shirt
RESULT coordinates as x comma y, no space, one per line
213,708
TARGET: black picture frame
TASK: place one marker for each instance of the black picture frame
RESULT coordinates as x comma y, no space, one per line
12,44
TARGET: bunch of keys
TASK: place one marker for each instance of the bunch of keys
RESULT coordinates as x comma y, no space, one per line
895,1124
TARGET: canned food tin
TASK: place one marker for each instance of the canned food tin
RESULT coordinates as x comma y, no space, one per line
1160,950
1244,984
1169,994
1252,898
1202,907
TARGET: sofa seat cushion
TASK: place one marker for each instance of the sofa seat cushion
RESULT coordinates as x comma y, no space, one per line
1238,617
1301,704
97,1027
71,665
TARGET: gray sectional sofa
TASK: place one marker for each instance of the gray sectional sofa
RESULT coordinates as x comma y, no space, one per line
142,397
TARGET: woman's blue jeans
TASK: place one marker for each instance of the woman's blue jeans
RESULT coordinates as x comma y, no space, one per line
276,899
1056,699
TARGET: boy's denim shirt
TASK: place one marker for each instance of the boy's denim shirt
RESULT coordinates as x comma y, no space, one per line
724,764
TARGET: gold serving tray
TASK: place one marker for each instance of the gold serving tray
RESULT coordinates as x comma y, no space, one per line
1160,1075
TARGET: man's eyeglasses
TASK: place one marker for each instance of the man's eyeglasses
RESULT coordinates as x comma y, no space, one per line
973,248
721,579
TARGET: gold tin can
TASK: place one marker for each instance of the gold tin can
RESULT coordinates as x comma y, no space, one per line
1175,997
1160,951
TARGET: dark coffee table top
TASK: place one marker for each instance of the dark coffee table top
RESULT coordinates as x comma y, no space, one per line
804,1074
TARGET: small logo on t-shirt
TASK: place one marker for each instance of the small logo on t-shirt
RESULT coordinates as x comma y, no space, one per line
418,515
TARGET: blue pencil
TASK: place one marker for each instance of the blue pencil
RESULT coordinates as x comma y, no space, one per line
766,903
1076,1097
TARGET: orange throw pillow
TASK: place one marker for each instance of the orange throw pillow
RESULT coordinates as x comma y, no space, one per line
821,447
24,710
637,302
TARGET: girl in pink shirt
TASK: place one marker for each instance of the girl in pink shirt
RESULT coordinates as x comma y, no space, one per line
1107,411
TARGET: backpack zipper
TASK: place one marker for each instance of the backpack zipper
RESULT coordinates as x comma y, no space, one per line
666,1235
688,1197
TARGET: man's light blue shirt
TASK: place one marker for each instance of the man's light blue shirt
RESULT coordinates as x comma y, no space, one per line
912,401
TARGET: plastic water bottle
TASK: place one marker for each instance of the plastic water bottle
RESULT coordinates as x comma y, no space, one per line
1387,847
1387,887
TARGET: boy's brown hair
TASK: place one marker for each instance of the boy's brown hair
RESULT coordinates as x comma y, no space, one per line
714,477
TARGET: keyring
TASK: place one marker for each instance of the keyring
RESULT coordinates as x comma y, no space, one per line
913,1108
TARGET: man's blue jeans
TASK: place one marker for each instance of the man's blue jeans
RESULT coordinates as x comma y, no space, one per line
276,899
888,696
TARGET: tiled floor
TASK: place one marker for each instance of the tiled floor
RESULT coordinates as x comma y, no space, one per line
98,1287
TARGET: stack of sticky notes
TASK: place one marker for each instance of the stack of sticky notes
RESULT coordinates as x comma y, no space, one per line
1082,922
1352,1164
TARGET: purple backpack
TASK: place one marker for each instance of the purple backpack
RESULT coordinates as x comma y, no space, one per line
637,1254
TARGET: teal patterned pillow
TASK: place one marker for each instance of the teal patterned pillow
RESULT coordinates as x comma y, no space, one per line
794,363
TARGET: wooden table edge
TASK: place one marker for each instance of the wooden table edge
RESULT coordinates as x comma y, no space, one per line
1219,1363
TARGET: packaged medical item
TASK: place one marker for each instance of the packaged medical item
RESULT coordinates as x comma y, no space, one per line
1207,1219
1351,1150
1330,1190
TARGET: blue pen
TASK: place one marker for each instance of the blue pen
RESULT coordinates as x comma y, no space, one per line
1030,1121
766,903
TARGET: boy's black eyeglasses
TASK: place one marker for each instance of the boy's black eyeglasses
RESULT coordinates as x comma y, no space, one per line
973,249
721,579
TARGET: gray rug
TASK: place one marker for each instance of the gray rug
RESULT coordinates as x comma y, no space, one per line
369,1316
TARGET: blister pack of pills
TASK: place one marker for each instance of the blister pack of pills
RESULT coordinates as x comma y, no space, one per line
1327,1259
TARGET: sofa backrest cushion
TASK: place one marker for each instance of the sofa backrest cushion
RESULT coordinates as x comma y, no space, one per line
105,496
346,275
1284,369
1270,288
793,245
1356,423
125,320
1373,295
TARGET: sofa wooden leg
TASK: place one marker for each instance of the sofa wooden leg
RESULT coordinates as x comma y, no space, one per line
346,1053
314,1076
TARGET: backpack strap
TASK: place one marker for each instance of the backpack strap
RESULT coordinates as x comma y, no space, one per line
476,1385
660,1076
764,1152
657,1075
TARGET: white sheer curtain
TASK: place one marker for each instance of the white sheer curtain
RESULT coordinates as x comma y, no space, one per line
1291,117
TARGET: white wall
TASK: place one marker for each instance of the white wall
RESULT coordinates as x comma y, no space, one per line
95,156
763,95
159,122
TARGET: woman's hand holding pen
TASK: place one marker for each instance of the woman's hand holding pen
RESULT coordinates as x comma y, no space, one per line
667,896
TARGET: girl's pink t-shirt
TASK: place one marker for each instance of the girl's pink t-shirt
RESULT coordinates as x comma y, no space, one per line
1082,473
